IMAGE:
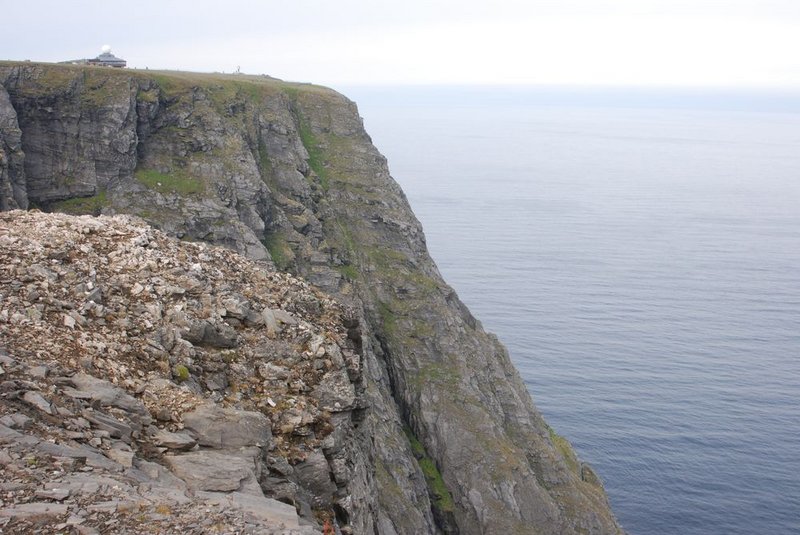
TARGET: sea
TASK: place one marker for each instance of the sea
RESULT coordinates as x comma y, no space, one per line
638,252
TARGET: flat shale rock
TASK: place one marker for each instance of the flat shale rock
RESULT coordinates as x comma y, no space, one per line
222,428
212,470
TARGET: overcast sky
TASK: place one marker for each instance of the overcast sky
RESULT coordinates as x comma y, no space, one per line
349,42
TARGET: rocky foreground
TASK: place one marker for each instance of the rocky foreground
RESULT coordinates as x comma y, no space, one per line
150,385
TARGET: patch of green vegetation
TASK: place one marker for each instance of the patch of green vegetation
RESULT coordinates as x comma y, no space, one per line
565,448
388,318
438,373
362,191
390,264
53,78
387,481
437,489
279,250
248,89
176,182
425,283
316,158
421,331
291,91
345,234
180,372
150,96
349,271
394,267
83,205
170,85
101,86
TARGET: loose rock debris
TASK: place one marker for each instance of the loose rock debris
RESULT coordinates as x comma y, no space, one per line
149,385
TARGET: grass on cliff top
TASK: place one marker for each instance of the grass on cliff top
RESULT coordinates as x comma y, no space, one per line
248,84
442,499
177,182
55,75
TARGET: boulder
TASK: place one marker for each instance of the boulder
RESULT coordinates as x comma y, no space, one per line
212,470
173,441
218,427
106,393
271,512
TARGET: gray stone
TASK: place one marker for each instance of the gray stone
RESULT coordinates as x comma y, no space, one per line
95,296
109,424
284,317
121,455
273,513
39,372
82,453
217,381
56,494
16,420
92,388
173,441
218,427
36,400
236,306
109,506
212,470
335,392
34,511
270,322
204,333
314,475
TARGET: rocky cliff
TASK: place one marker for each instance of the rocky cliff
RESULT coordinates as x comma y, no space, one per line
441,434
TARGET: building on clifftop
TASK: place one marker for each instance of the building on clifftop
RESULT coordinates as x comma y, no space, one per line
107,59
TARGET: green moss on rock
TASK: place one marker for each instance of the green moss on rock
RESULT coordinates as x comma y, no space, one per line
440,496
348,271
280,250
565,448
316,159
180,372
83,205
176,182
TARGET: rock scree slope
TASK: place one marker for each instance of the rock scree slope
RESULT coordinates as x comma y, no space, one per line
418,422
146,379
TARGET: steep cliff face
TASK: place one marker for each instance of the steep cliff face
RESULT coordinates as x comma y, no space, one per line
13,190
443,436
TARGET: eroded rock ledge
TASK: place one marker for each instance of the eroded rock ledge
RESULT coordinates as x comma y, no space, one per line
146,381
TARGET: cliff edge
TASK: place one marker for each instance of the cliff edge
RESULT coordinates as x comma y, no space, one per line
441,434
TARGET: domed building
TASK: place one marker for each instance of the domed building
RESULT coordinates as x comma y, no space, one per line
107,59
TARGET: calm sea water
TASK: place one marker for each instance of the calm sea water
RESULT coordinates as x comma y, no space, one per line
639,254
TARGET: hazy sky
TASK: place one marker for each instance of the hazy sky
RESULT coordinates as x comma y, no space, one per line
349,42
